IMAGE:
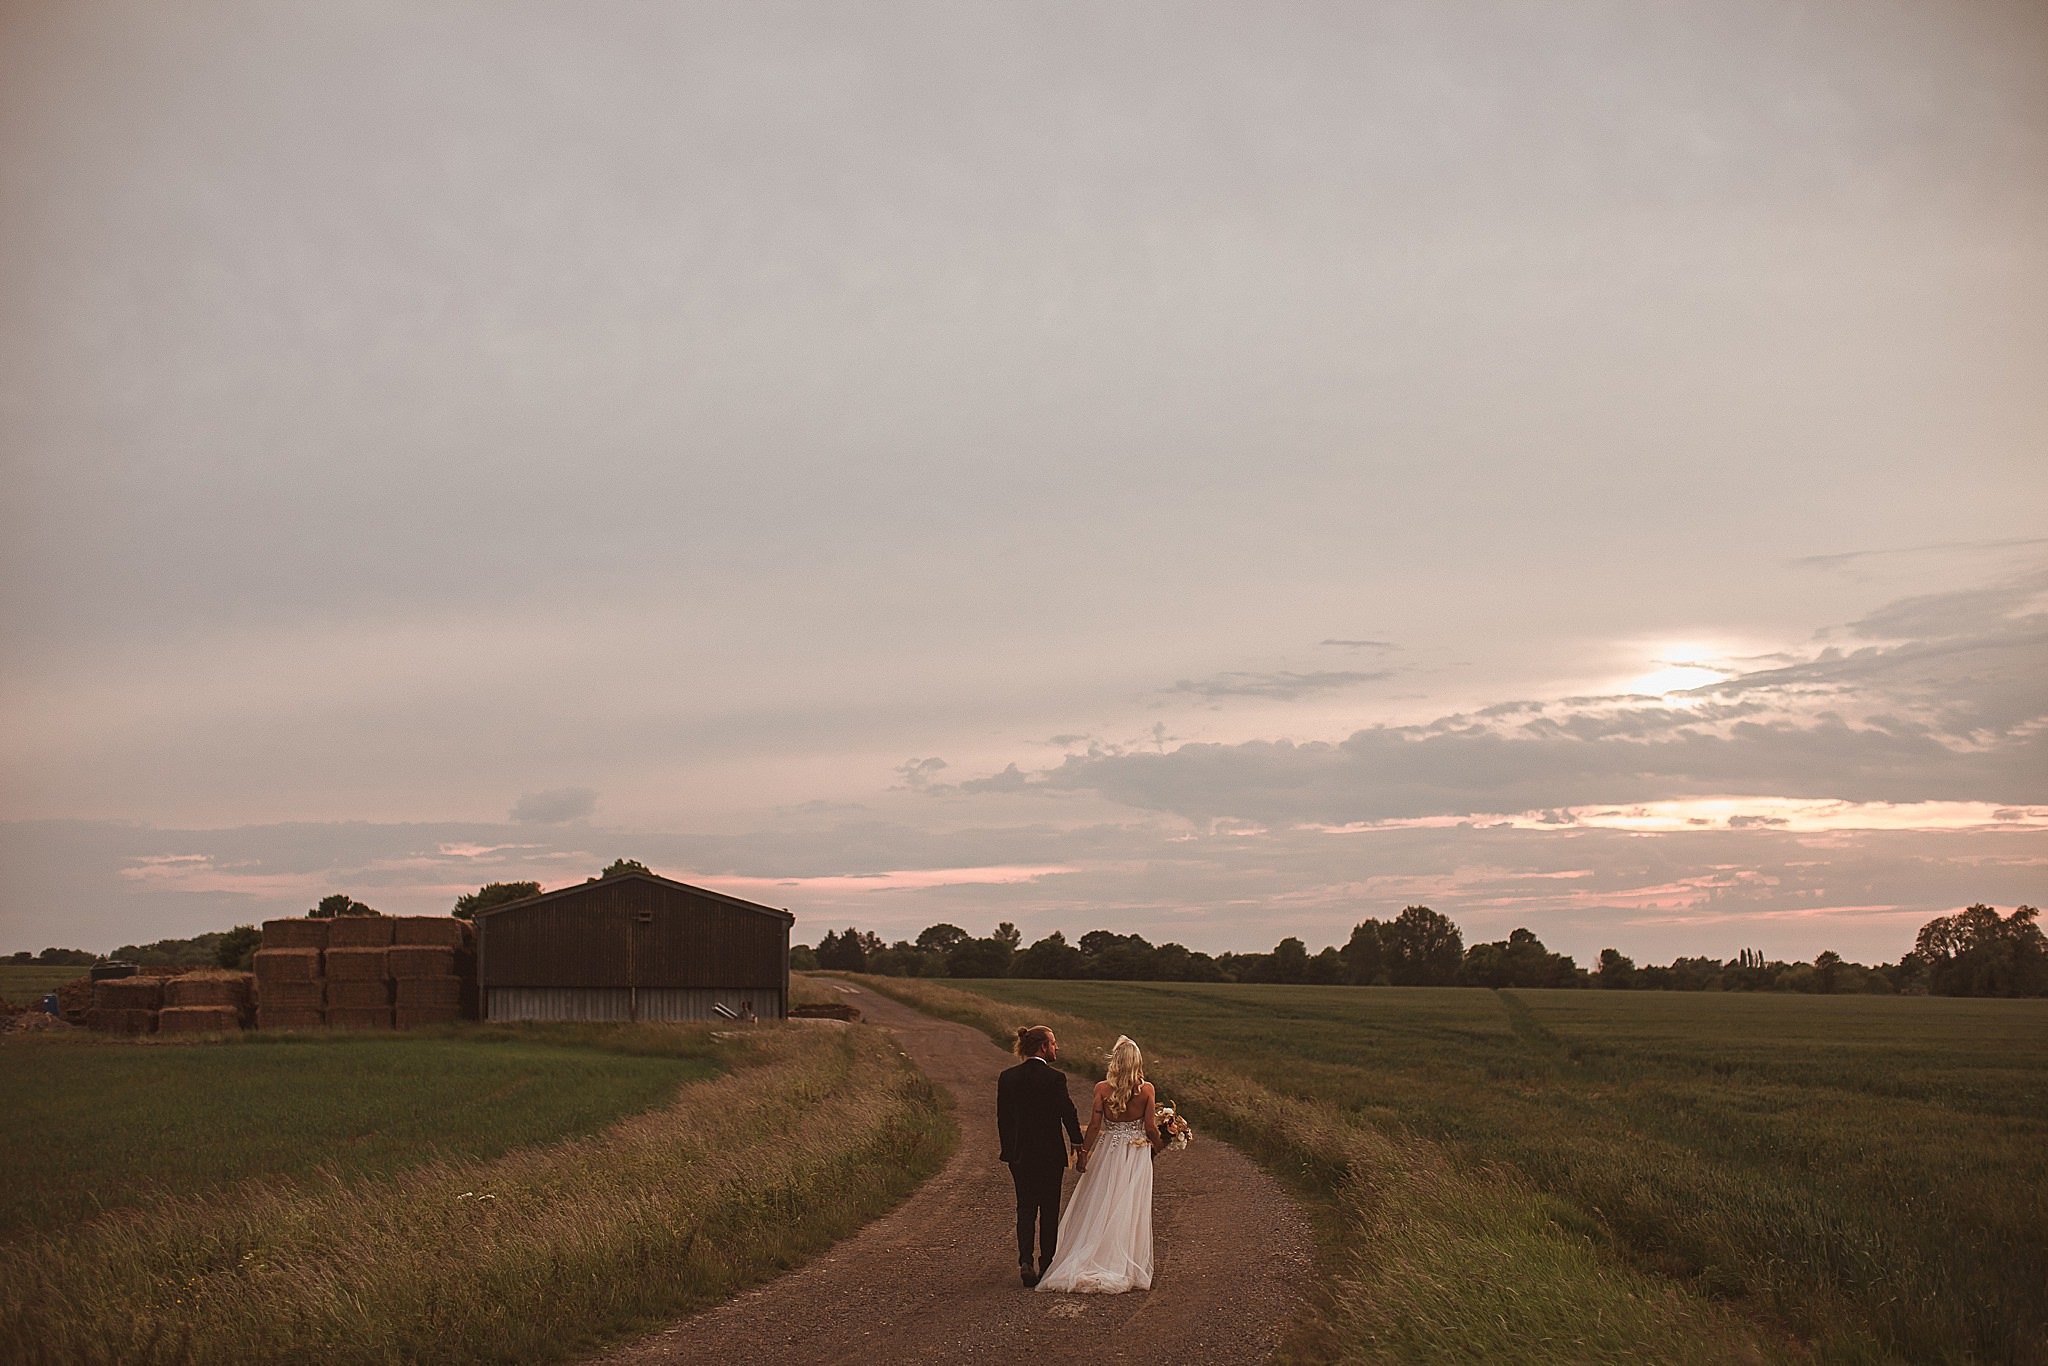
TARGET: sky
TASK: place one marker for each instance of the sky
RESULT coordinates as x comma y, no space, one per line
1213,472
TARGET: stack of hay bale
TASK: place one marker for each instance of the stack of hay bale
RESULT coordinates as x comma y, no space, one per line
365,972
204,1002
289,980
359,972
191,1002
433,970
126,1005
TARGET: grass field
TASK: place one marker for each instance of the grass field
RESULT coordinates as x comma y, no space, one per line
439,1234
1579,1175
112,1124
24,983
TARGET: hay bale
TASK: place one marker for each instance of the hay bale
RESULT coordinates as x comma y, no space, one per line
198,1019
291,995
288,1017
120,1020
444,930
353,995
128,993
286,965
430,993
357,965
208,989
423,960
359,932
359,1017
408,1017
299,933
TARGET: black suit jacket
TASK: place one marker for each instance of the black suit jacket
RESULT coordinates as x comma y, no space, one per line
1032,1107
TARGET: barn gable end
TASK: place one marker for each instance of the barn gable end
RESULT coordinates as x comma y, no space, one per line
634,946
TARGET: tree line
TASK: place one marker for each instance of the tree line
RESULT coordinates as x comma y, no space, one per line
1975,952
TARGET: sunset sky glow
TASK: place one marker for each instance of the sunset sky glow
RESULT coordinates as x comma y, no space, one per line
1214,474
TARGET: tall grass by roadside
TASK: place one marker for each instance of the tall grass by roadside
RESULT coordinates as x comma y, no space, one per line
1536,1176
100,1123
535,1255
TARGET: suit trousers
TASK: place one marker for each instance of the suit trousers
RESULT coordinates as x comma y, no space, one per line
1038,1202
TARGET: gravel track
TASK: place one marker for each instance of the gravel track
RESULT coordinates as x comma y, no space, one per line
936,1279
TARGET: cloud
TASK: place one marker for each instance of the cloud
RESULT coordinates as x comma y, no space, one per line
917,773
1283,685
1939,702
1011,779
1360,644
1845,558
555,807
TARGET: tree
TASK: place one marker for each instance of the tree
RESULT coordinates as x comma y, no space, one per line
1010,935
1051,958
978,958
237,947
1328,969
1616,969
941,938
802,958
1976,953
1365,954
471,904
1290,960
618,867
1827,969
1423,948
843,952
339,904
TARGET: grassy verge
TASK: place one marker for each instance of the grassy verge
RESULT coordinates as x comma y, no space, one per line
534,1255
104,1124
806,990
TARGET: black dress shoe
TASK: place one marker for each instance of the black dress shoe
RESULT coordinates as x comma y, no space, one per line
1028,1276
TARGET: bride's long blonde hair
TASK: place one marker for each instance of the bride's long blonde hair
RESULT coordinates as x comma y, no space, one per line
1126,1073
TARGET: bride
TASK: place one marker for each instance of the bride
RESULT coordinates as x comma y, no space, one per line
1106,1242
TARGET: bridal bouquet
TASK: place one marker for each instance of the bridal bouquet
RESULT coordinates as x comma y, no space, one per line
1173,1127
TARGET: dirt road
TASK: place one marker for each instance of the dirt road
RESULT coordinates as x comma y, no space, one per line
936,1280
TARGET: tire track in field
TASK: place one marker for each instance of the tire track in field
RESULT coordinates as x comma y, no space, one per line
936,1279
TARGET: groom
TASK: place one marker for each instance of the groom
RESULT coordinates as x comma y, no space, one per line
1032,1109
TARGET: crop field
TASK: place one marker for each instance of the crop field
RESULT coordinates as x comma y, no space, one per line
114,1124
24,983
1584,1175
477,1193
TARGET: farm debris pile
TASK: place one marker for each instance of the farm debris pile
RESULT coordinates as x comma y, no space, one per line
365,972
824,1010
74,999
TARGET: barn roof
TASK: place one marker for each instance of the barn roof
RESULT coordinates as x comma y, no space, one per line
574,887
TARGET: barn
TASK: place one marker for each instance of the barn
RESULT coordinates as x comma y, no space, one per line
633,946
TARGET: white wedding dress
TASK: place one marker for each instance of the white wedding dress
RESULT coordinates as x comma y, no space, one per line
1105,1245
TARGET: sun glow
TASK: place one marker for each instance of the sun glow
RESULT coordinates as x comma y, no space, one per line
1675,669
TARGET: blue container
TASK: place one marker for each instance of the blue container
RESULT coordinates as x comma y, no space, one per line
50,1005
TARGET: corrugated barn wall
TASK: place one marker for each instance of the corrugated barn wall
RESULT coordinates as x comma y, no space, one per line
632,947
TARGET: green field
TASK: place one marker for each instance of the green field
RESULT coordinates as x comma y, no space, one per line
474,1194
24,983
1583,1175
115,1124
